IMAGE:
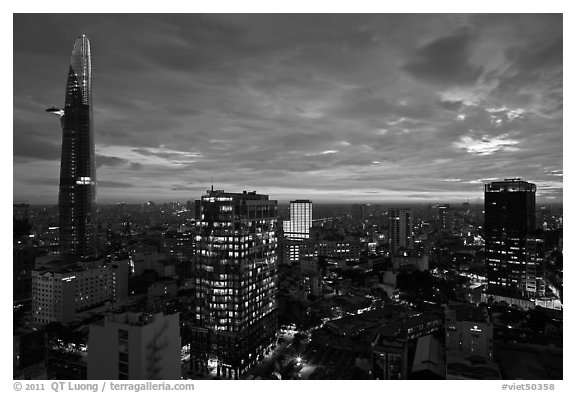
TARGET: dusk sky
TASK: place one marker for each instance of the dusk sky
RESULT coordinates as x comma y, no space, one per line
347,107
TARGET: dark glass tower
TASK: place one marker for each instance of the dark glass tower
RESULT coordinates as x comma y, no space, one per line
77,197
509,219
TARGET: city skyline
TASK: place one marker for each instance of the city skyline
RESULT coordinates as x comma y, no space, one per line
335,108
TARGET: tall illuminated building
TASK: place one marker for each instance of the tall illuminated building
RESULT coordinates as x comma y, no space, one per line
235,278
77,194
300,219
297,229
509,219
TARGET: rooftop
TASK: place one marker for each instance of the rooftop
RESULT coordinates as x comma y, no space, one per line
465,312
356,323
407,326
428,356
130,318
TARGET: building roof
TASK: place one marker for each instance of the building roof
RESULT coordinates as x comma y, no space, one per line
132,318
428,356
460,366
405,327
356,323
465,312
510,185
63,267
252,195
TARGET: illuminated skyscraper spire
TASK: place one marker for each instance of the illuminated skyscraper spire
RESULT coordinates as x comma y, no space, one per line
77,197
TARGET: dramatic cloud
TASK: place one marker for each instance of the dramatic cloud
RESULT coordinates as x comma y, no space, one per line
486,145
358,107
446,61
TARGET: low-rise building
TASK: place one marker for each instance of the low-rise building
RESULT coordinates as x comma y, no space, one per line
393,344
469,343
135,346
58,294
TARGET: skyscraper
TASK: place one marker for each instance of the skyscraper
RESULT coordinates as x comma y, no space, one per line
235,276
401,228
300,219
298,228
77,196
509,218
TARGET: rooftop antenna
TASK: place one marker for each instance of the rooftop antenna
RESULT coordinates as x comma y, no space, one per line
212,182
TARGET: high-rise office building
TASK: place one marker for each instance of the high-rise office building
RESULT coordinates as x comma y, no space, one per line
509,219
297,229
401,230
300,220
77,196
235,276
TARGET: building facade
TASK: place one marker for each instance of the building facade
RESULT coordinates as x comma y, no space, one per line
509,219
300,220
297,229
401,230
469,343
235,278
534,283
135,346
77,194
394,343
57,295
347,250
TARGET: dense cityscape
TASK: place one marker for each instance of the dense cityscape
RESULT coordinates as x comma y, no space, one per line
348,298
238,284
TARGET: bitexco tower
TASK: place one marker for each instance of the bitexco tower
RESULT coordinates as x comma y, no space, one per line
77,194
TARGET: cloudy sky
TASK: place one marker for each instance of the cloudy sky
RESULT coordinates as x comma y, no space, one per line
348,107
